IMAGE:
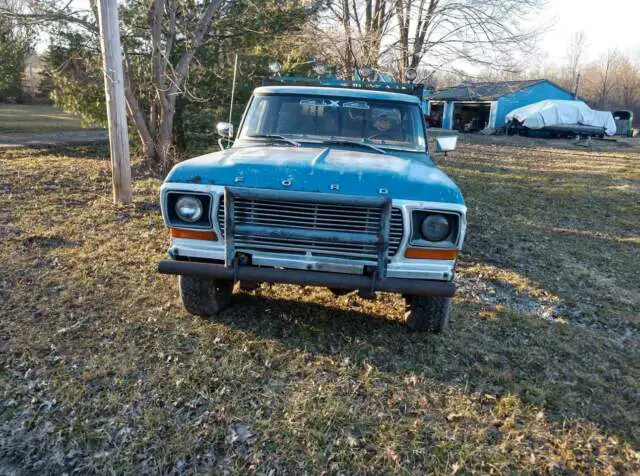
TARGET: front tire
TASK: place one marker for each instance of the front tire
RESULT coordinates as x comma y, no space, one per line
205,297
428,314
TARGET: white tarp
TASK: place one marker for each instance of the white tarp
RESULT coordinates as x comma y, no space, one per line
554,112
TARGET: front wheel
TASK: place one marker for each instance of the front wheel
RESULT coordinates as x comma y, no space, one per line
205,297
430,314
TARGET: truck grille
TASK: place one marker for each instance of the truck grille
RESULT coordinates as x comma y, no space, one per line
312,216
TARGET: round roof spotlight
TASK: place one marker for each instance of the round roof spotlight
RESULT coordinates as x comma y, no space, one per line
365,72
275,67
411,74
320,69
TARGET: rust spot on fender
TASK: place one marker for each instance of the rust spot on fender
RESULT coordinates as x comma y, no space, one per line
196,179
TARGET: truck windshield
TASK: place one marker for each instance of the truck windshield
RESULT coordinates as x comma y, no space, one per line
391,125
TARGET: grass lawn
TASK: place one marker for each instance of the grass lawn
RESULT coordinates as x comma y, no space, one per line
103,371
35,118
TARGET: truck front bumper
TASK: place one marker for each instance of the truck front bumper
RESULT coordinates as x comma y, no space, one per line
420,287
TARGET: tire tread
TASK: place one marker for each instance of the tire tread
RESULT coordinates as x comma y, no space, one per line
428,314
204,297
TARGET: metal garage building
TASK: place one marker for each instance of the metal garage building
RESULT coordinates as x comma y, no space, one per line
474,106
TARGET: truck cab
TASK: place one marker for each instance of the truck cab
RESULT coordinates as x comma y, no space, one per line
322,186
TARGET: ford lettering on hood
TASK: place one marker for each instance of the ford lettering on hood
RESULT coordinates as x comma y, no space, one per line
322,169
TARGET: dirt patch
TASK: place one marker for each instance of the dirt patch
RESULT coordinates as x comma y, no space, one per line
502,296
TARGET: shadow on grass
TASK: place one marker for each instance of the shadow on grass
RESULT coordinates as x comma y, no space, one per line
91,151
569,371
49,241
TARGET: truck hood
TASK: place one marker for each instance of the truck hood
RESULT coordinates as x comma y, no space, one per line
321,169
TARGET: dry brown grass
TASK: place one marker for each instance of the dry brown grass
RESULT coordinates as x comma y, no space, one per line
103,371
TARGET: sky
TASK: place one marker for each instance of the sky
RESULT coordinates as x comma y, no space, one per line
607,24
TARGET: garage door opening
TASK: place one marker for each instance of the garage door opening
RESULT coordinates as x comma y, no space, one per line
434,119
471,117
624,123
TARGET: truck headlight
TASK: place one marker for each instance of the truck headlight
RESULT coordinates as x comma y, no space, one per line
189,208
435,227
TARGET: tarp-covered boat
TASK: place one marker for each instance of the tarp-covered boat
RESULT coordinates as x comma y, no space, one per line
564,116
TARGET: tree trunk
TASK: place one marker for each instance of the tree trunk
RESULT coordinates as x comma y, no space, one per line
137,116
179,140
164,142
403,18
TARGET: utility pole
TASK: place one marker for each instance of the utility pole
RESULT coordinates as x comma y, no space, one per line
114,90
577,90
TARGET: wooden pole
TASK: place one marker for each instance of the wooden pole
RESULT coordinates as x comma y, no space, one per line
114,90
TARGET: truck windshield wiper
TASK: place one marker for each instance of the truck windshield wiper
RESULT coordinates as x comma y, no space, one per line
275,137
353,142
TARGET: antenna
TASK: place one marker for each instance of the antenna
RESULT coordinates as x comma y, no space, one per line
233,93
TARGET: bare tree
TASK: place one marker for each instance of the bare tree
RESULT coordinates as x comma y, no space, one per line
602,78
353,31
575,56
432,34
156,132
628,81
610,82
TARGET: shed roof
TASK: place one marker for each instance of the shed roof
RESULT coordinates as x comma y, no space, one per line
486,91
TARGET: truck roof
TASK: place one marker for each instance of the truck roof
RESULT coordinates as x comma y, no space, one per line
375,94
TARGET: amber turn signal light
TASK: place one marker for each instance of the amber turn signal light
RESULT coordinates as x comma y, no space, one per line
193,234
422,253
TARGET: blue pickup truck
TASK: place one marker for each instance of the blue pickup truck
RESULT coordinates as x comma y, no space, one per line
321,186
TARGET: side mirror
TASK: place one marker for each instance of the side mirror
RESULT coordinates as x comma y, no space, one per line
225,129
446,143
